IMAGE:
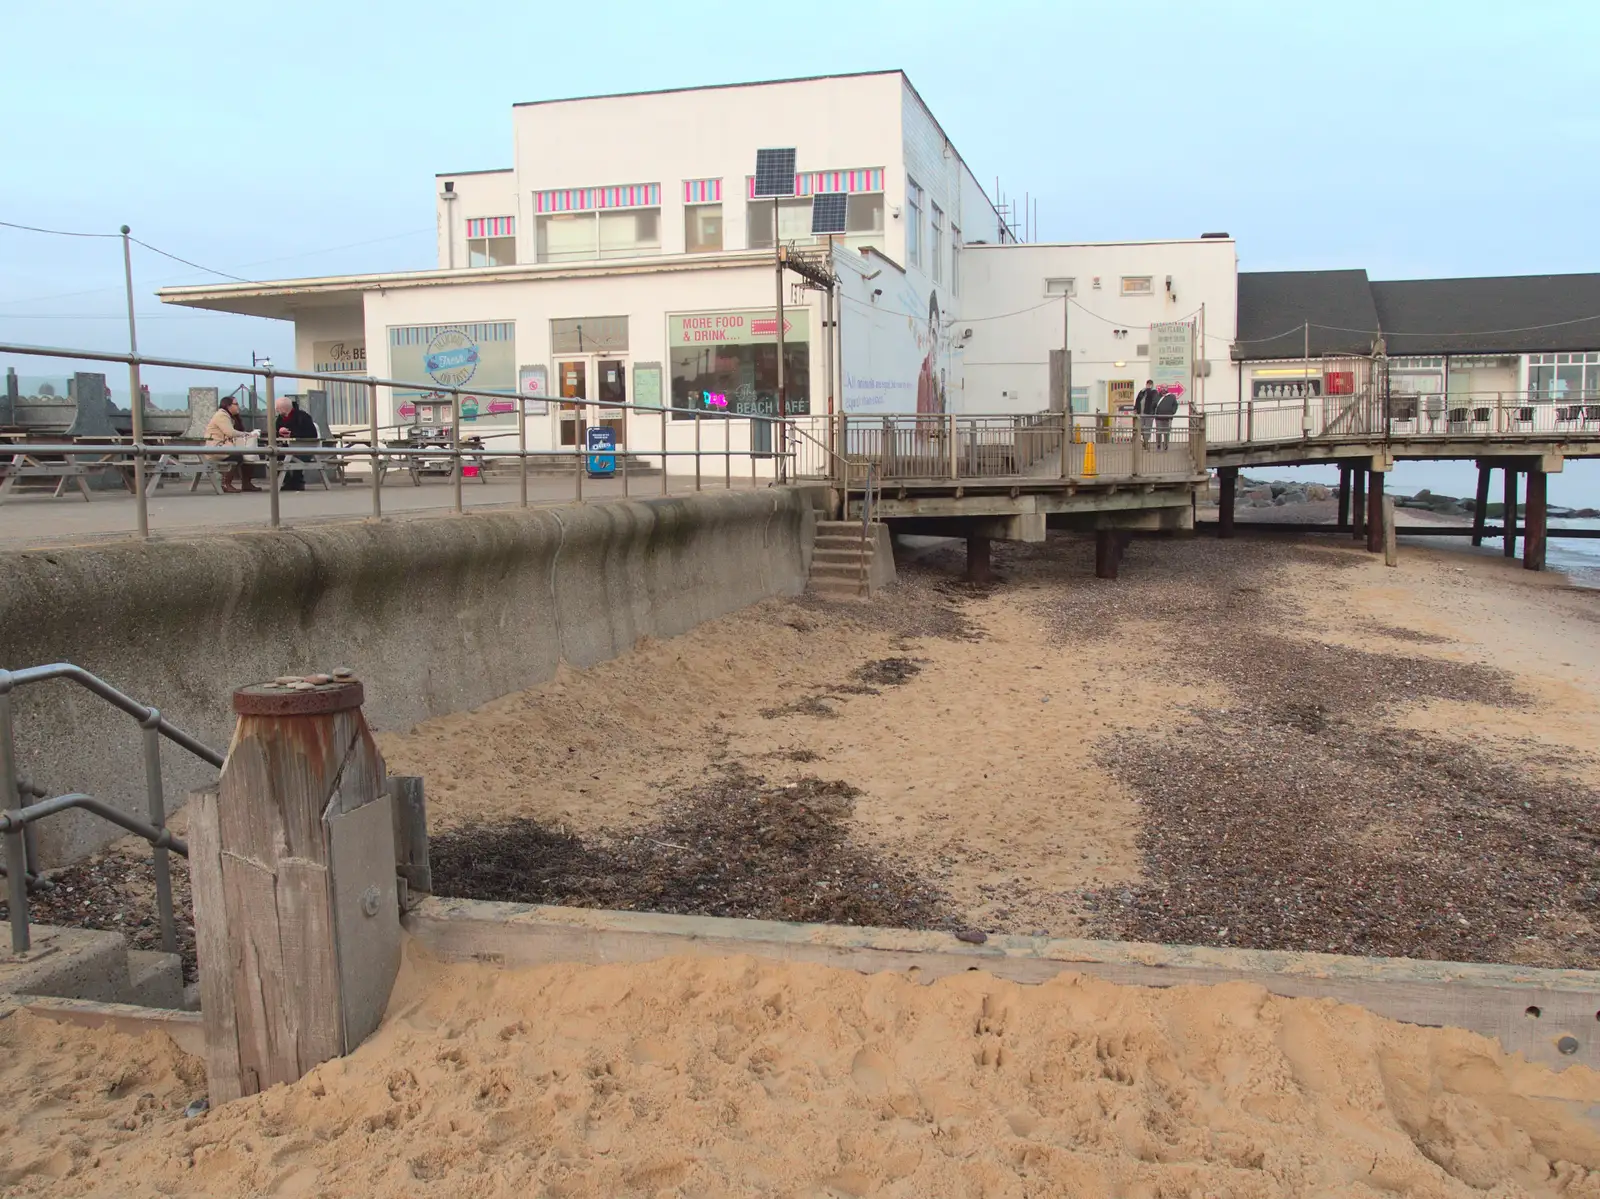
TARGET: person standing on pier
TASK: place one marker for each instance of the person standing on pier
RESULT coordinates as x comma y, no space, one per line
1144,408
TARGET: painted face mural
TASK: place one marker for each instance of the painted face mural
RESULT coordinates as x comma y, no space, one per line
930,379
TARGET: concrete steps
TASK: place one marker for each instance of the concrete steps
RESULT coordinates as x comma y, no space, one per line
77,963
842,564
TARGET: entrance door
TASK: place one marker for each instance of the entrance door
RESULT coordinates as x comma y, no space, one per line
602,381
572,382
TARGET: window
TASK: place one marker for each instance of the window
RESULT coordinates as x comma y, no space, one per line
1060,287
794,222
913,224
936,243
575,236
702,228
1560,376
589,335
863,213
955,260
1137,285
491,251
727,363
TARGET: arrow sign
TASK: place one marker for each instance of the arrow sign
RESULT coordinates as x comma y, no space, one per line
769,328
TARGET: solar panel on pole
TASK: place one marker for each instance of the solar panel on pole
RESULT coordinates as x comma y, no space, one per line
827,212
775,172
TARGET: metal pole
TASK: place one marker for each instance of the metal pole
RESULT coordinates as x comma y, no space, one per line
727,453
664,448
697,449
623,456
158,818
580,430
135,396
16,853
377,482
1066,348
522,450
272,448
455,447
783,393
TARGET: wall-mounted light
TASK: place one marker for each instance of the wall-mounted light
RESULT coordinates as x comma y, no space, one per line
1119,364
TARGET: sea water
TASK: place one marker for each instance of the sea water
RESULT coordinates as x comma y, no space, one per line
1576,557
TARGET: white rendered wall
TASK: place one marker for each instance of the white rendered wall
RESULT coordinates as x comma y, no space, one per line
1006,361
646,298
480,194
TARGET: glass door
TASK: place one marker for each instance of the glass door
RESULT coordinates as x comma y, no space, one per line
611,375
572,378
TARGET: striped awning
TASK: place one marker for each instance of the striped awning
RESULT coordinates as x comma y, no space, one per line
702,191
492,226
586,199
810,183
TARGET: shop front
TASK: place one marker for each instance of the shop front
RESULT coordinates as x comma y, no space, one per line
726,364
591,364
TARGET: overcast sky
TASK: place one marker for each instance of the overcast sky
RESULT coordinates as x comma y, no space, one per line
1415,139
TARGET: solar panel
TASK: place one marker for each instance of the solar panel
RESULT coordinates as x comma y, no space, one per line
827,212
775,172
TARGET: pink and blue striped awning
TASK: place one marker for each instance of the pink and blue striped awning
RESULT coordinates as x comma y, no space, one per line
810,183
702,191
586,199
492,226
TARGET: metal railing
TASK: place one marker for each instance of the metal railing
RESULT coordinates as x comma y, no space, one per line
1039,446
1399,417
15,822
667,435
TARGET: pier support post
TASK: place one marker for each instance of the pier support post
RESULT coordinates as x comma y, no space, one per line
292,861
1480,508
1508,517
1533,532
1108,547
979,569
1228,484
1344,497
1375,512
1358,506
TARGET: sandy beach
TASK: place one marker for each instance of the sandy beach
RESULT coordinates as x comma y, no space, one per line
738,1077
1275,742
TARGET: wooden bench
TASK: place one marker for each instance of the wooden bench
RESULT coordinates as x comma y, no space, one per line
67,471
197,468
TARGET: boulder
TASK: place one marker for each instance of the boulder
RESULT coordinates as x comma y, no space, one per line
1318,492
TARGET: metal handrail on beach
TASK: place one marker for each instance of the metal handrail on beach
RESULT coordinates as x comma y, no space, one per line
14,823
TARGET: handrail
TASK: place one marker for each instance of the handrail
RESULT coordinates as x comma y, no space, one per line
162,838
143,713
14,823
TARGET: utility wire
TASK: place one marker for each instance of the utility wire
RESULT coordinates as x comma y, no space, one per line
54,232
208,270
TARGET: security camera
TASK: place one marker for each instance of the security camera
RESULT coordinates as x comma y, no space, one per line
876,292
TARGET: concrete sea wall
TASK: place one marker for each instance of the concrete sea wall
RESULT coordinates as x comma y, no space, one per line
435,615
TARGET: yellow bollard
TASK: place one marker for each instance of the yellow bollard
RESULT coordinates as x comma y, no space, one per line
1088,471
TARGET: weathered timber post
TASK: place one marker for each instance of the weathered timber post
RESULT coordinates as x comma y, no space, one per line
979,567
1534,524
1375,512
1508,518
292,859
1358,504
1227,496
1481,504
1391,549
1344,496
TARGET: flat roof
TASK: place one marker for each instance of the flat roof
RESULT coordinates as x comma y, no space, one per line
709,87
485,171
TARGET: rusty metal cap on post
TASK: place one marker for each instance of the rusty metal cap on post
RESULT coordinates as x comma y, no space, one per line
300,695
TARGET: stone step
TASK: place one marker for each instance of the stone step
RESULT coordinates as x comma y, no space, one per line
852,556
835,589
834,541
843,526
835,570
155,979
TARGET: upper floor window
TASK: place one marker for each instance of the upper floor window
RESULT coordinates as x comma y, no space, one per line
598,222
936,243
913,223
491,241
702,215
955,260
1137,285
1060,287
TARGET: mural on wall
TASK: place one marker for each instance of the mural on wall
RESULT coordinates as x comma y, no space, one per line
479,354
896,353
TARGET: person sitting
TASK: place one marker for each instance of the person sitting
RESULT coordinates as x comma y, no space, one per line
294,424
226,428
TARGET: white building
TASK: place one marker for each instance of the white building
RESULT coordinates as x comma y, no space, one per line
1022,301
621,258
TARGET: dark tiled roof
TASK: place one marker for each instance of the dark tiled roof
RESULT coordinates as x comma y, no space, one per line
1490,316
1276,306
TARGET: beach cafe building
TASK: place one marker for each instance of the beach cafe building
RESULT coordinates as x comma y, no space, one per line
1443,351
623,257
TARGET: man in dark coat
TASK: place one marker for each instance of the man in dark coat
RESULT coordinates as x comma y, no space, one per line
294,424
1144,408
